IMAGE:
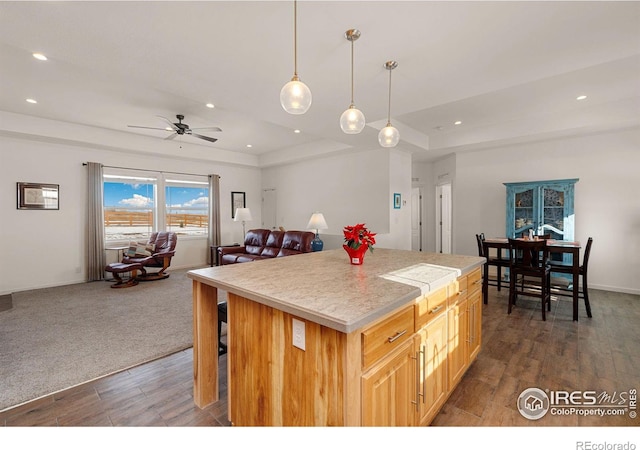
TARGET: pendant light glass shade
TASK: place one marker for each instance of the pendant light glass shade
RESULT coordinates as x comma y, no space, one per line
389,136
352,121
295,96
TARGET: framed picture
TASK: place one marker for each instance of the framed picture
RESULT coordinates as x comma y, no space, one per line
396,201
38,196
237,201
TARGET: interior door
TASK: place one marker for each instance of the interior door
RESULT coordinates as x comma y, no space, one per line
269,209
443,218
416,219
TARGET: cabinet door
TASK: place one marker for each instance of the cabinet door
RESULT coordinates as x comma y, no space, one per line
389,389
458,332
433,368
475,324
523,210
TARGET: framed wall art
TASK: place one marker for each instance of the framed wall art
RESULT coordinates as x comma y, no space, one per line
396,201
238,200
38,196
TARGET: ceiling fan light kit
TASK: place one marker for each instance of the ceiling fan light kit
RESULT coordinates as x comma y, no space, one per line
389,135
352,121
295,96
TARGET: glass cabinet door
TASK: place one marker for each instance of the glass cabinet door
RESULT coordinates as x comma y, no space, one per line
553,213
524,207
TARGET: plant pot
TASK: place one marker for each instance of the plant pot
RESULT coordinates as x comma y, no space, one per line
356,256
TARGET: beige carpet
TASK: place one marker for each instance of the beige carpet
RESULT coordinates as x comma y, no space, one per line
56,338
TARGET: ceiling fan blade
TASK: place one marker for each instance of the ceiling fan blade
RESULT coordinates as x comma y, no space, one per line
208,128
148,128
170,137
206,138
171,124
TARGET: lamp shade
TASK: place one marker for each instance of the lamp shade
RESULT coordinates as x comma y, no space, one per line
389,136
242,215
352,120
295,97
317,222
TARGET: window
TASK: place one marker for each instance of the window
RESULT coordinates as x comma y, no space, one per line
187,207
137,203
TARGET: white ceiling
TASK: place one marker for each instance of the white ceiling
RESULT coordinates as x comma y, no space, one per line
510,71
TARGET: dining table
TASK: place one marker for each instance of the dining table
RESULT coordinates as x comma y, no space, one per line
501,246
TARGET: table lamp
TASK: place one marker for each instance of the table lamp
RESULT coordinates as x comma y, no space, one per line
317,222
242,215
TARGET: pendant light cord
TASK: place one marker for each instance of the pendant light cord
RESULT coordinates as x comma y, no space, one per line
351,72
389,113
295,38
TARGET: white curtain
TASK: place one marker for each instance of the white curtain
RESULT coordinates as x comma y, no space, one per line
214,212
96,259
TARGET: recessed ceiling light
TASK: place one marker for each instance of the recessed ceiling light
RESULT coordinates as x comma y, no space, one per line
30,100
249,145
210,105
457,122
581,97
296,131
40,56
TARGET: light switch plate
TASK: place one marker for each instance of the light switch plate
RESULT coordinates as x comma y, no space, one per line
298,334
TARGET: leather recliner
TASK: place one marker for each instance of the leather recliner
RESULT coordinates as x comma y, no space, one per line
165,248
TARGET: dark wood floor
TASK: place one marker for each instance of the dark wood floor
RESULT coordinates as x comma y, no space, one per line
519,351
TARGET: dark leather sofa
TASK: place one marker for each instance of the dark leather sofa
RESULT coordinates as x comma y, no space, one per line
264,244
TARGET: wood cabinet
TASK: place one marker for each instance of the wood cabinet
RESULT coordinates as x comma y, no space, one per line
464,326
398,371
432,369
389,394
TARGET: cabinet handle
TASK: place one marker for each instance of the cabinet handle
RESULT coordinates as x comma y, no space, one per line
436,309
462,292
417,399
478,281
396,336
423,350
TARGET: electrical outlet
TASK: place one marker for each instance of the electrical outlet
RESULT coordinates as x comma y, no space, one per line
298,334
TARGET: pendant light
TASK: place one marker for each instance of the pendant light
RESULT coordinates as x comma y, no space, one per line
389,135
295,96
352,120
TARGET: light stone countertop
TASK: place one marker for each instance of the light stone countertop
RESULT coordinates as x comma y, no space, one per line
325,288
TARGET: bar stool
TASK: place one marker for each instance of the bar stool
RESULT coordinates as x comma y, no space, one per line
222,317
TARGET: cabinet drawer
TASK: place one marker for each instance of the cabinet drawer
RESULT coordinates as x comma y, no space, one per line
458,291
387,335
474,281
430,306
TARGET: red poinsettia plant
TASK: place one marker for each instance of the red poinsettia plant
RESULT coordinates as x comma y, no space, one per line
355,236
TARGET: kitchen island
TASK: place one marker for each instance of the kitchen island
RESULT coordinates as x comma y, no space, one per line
314,340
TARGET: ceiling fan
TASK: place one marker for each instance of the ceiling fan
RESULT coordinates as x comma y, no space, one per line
180,129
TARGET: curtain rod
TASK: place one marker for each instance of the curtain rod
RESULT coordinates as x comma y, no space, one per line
149,170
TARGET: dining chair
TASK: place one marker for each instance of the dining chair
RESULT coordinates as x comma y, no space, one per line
496,261
565,267
529,272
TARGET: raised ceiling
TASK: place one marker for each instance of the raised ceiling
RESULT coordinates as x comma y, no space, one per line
510,71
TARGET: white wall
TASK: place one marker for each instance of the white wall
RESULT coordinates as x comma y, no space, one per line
48,248
607,197
349,188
